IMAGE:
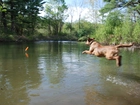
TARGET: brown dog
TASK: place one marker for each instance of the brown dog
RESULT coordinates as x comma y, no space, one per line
109,52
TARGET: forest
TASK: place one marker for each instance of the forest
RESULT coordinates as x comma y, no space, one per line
116,21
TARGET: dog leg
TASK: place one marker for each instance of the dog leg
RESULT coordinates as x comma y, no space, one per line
87,52
118,60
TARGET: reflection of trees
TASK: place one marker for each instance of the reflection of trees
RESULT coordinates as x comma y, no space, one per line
55,67
131,60
51,58
18,74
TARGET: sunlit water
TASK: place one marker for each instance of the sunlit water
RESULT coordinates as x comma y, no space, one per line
57,73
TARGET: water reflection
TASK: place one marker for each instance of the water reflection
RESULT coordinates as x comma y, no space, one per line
50,62
17,75
57,73
27,55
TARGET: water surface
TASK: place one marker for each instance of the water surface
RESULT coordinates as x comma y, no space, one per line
57,73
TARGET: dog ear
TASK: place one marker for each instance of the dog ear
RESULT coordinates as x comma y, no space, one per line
90,39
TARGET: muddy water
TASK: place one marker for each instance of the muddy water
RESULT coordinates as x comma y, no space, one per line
57,73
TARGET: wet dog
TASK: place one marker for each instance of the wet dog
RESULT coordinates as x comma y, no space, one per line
109,52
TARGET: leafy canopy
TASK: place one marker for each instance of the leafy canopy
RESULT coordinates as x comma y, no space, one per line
121,4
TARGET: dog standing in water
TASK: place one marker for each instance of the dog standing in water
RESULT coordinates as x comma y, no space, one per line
109,52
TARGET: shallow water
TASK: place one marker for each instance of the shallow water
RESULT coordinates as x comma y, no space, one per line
57,73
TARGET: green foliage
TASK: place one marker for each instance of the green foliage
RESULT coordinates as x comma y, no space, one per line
117,27
127,31
101,34
126,4
114,19
55,16
136,32
20,16
109,6
117,38
105,32
19,20
86,29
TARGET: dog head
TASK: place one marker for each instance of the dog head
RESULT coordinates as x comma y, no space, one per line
89,41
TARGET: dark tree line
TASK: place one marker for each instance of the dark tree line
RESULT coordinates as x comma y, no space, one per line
19,16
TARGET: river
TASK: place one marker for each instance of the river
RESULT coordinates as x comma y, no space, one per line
57,73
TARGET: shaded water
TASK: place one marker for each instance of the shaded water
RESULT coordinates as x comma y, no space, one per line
57,73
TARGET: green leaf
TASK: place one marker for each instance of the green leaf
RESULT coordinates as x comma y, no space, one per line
4,10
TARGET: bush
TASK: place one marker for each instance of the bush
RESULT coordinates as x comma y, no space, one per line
136,32
101,34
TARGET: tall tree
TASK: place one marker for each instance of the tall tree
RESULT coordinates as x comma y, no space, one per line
113,20
3,15
21,15
79,5
94,6
70,16
55,16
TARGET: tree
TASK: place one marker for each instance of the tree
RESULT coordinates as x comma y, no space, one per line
136,32
121,4
69,27
94,6
113,20
79,4
20,15
3,15
105,32
55,16
70,15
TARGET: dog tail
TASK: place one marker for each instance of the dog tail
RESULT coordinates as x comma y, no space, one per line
124,45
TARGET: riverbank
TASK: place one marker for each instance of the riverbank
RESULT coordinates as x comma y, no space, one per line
23,38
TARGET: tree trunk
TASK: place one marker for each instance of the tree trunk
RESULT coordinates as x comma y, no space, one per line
4,20
12,18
